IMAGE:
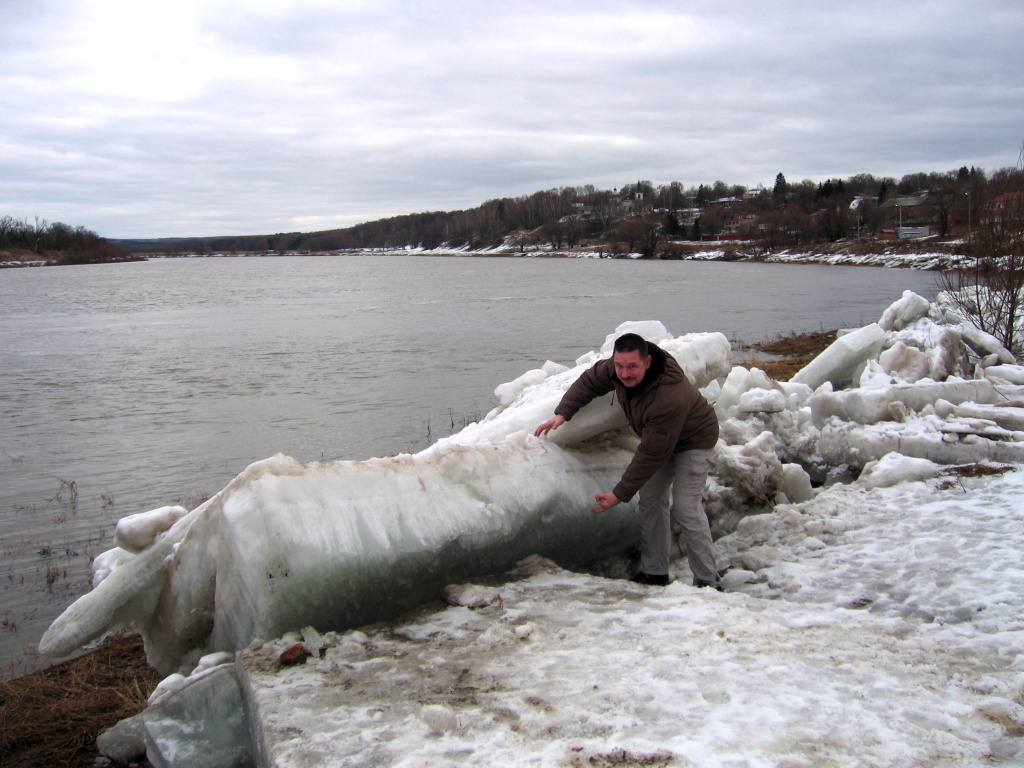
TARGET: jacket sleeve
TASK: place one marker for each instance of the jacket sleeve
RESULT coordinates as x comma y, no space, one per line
597,380
657,443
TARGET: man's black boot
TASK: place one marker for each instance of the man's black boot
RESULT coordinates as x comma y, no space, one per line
654,581
701,583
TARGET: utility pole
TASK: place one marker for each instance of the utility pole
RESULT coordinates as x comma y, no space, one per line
968,193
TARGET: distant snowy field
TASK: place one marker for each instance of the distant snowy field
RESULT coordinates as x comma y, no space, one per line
923,260
867,622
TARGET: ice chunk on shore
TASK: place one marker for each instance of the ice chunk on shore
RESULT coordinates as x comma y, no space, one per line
840,362
202,724
1006,416
857,444
107,562
982,342
1013,374
531,399
137,532
909,309
872,405
895,468
986,344
905,362
740,381
796,483
344,544
762,401
652,330
704,357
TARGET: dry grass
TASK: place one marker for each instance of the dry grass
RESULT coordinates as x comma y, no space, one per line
956,475
794,352
53,716
18,255
977,470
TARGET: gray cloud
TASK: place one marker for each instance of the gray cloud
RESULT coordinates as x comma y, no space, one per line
252,116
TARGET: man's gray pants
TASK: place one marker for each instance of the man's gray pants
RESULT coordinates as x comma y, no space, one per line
676,492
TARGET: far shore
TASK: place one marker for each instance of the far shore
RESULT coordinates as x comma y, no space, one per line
931,253
923,254
16,258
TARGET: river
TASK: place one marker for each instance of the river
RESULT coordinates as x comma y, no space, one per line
125,387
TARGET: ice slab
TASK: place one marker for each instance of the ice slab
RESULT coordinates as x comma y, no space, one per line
204,724
857,444
530,399
839,363
986,344
344,544
1014,374
796,483
1008,417
895,468
910,308
874,404
137,532
740,381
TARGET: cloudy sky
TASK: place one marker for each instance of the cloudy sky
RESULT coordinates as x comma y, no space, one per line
152,118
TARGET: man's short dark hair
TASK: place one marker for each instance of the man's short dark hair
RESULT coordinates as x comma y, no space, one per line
631,342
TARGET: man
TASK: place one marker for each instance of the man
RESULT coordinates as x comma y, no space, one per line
678,429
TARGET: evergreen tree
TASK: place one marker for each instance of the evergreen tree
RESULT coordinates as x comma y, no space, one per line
671,226
781,190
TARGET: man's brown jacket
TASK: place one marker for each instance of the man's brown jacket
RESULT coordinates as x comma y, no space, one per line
665,410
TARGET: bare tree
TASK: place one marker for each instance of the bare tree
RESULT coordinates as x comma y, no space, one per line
833,222
989,289
641,234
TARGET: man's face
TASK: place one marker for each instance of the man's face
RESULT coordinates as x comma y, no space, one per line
630,367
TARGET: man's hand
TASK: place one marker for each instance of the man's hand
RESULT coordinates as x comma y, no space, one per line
605,501
547,426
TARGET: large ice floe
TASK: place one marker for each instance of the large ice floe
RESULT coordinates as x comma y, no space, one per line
545,666
350,542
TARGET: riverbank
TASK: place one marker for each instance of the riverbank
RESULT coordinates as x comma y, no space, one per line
782,357
17,257
52,716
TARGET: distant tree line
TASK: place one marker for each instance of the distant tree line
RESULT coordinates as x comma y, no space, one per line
645,218
57,242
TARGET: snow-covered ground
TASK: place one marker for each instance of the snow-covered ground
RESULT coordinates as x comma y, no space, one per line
888,630
871,620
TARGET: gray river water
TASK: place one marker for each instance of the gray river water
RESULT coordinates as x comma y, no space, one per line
126,387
